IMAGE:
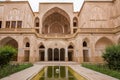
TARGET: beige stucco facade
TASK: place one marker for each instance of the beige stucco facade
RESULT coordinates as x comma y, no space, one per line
57,33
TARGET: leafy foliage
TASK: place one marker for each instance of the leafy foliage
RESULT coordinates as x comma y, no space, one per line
102,69
6,54
112,56
10,69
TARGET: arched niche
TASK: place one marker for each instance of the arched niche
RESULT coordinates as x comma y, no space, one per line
56,21
11,42
100,46
75,22
36,22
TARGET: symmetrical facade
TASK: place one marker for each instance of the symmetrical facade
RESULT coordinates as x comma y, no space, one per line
57,33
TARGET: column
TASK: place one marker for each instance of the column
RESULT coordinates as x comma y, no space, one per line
92,52
53,55
66,54
59,53
31,53
92,49
46,56
71,26
20,56
32,49
80,51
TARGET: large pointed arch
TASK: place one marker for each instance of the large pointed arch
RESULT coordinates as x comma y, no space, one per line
53,10
57,21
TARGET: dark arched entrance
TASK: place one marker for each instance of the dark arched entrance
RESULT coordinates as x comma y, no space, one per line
50,54
42,53
85,51
70,53
62,54
56,54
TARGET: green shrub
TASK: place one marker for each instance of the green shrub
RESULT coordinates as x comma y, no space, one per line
10,69
6,54
102,69
112,56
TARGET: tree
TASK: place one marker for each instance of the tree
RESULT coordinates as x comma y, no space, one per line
112,56
6,54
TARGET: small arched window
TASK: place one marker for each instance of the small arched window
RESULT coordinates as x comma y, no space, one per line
70,47
84,44
75,22
42,46
36,22
27,44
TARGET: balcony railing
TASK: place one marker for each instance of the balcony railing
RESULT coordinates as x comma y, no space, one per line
17,30
79,31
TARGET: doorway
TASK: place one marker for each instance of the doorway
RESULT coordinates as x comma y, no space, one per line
70,54
0,24
41,55
26,55
62,54
85,56
56,54
50,54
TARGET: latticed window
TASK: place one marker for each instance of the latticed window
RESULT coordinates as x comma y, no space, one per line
13,25
7,24
19,24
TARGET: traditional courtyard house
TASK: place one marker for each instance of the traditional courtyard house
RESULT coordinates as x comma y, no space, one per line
57,33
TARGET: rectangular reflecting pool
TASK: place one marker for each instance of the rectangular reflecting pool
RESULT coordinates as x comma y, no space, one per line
57,73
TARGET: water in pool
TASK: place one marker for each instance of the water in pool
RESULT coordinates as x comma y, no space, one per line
57,73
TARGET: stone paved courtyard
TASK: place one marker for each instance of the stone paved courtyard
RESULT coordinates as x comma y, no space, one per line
87,73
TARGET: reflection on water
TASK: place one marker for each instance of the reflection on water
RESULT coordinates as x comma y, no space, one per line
57,73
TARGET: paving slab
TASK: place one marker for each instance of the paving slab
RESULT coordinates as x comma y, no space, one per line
24,74
90,74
